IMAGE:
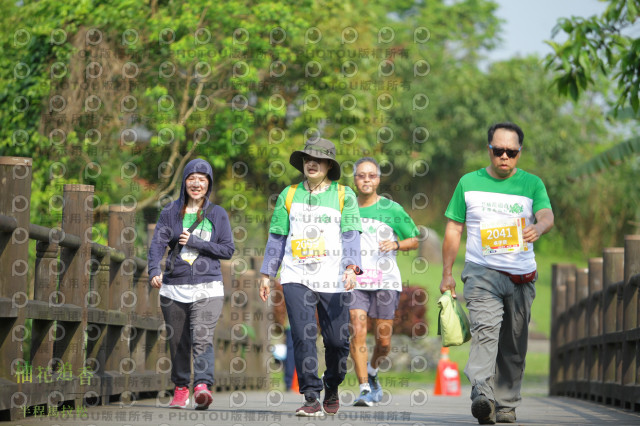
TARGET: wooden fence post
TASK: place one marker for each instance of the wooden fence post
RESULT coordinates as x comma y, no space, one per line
140,321
630,347
570,336
121,237
612,274
580,360
98,318
594,351
559,274
582,294
46,283
154,298
15,179
77,219
157,357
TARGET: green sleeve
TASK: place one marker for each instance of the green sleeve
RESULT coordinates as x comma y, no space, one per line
457,208
540,197
350,220
280,219
404,226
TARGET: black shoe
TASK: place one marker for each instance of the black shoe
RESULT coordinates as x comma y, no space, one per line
484,410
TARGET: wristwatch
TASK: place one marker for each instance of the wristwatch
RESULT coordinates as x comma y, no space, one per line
355,269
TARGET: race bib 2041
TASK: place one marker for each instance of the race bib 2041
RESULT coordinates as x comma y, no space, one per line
503,237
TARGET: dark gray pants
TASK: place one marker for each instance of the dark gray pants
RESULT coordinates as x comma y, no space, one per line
190,328
499,312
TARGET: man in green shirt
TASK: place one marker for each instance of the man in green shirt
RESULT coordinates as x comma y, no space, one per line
505,209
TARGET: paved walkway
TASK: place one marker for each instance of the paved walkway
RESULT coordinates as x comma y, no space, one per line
275,408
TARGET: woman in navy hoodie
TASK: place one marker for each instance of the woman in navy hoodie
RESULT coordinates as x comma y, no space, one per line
191,290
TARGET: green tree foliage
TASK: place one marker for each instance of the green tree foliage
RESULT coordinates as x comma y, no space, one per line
612,157
600,48
596,45
122,94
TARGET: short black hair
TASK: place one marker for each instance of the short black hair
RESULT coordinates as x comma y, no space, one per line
508,126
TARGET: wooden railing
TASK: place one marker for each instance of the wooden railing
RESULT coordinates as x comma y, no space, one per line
595,333
88,328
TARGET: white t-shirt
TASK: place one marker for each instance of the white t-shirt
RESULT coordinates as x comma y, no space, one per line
384,220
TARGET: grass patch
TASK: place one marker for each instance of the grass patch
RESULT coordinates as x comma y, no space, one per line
537,370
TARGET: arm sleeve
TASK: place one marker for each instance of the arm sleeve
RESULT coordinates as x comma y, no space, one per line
162,235
540,197
403,225
351,249
457,208
350,220
223,246
280,219
273,254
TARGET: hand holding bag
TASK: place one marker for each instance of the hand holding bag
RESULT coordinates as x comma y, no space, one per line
453,324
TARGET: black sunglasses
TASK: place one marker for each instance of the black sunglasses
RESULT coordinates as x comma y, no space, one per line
511,153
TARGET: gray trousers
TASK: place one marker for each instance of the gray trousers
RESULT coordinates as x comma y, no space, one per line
190,327
499,312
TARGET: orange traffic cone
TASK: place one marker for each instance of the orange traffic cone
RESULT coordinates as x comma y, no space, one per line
295,386
447,376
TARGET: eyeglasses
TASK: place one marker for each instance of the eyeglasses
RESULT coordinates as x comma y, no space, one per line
363,176
511,153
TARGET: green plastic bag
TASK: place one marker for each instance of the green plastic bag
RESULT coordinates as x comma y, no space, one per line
453,324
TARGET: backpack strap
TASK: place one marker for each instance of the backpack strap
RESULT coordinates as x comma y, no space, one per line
341,192
289,199
177,247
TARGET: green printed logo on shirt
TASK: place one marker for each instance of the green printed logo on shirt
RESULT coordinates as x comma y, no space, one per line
516,208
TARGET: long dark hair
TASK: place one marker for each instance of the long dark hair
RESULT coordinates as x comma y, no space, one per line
183,211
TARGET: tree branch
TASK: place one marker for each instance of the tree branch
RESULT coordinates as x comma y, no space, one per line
184,114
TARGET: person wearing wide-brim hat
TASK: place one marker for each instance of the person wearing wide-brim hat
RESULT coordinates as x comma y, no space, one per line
319,148
314,239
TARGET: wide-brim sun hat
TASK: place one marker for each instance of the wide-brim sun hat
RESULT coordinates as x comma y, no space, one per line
318,148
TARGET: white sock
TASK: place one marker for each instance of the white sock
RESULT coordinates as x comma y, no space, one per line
372,371
364,387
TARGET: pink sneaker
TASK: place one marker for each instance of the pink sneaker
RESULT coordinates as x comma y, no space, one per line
180,397
202,396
